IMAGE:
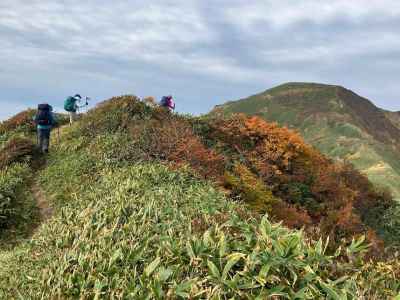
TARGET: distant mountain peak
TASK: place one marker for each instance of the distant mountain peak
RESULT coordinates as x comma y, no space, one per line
297,84
334,119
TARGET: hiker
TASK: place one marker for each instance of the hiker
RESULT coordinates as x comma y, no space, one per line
44,121
71,106
168,103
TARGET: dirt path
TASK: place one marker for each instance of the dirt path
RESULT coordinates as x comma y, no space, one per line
45,210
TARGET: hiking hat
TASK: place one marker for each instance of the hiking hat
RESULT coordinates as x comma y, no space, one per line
78,96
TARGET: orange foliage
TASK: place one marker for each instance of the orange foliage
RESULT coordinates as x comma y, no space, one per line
22,120
174,140
314,188
291,216
269,167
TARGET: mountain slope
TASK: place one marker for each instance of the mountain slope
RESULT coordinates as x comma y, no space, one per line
152,205
336,121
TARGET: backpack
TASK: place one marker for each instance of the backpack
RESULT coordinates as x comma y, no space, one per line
164,101
69,104
167,101
171,103
43,116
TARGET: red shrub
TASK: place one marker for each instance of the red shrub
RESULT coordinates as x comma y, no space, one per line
314,188
23,120
173,139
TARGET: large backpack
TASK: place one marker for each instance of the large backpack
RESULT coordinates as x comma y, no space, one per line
43,116
70,104
171,103
164,101
167,101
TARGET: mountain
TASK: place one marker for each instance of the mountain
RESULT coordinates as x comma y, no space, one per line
338,122
394,117
133,202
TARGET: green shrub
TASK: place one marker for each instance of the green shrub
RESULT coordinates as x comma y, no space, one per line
390,225
132,235
250,188
13,180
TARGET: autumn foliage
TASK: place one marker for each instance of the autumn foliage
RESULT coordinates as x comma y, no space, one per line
269,167
17,149
22,121
312,189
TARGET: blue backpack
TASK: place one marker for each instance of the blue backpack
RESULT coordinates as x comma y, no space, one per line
164,101
43,116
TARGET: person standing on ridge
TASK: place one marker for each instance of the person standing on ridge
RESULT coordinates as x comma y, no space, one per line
44,121
168,103
71,106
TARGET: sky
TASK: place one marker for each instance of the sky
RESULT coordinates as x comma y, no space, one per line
202,52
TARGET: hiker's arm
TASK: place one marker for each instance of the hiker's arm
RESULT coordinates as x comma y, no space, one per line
83,105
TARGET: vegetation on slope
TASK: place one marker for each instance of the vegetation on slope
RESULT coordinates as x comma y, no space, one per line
18,160
338,122
134,220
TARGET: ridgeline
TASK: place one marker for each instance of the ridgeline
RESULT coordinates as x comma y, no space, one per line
335,120
151,205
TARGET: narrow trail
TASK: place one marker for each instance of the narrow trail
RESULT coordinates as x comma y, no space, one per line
41,201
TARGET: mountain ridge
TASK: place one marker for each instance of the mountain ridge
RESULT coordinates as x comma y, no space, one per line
335,120
152,205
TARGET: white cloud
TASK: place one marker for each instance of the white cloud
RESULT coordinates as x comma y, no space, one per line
288,12
50,47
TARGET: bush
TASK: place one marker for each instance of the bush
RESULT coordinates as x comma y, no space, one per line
312,190
113,115
12,183
22,122
174,141
299,175
17,150
130,236
244,183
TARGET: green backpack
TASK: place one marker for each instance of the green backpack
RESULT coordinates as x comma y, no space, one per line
69,104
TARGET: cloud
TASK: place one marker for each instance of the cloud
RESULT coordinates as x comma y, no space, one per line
204,52
288,13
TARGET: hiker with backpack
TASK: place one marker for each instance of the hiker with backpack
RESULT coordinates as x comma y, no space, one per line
44,121
71,106
168,103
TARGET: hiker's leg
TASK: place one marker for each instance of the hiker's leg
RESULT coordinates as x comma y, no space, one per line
40,139
71,117
46,140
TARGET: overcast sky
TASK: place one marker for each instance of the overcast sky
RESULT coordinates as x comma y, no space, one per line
203,52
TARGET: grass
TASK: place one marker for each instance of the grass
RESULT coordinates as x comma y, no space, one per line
127,228
17,210
134,235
